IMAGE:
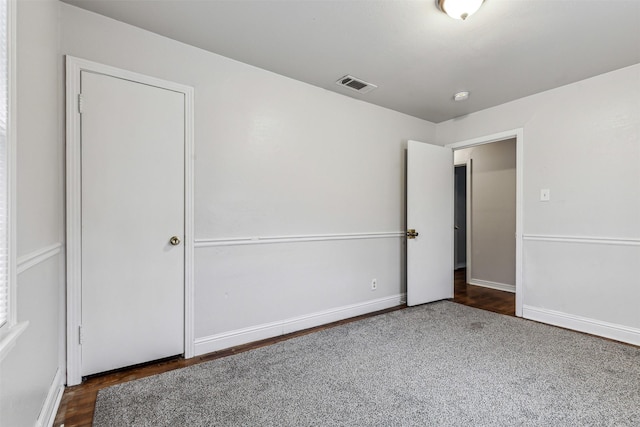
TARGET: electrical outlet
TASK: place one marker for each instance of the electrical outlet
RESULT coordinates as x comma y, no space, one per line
374,284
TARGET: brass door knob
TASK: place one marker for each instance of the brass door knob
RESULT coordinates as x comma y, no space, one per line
175,240
412,234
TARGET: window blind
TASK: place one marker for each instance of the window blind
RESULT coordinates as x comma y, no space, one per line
4,244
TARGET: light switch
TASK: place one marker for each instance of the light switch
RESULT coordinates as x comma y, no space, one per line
545,195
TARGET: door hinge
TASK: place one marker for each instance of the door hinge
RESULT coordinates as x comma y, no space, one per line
80,103
80,335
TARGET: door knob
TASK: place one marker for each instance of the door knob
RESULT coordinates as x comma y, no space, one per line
412,234
175,240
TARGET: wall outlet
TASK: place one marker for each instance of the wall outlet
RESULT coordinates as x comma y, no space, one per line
374,284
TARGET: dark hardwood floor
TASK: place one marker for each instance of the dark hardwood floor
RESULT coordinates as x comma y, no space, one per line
480,297
78,402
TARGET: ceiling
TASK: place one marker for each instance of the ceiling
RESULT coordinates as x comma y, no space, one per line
416,55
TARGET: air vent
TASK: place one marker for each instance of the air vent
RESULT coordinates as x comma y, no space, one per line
356,84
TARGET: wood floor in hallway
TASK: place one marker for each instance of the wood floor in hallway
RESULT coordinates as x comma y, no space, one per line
480,297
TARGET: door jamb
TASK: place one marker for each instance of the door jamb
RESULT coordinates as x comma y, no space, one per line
74,66
518,134
467,164
468,218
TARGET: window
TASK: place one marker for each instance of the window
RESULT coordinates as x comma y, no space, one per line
4,188
10,330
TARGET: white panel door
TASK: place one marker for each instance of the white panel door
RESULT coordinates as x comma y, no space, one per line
132,143
430,212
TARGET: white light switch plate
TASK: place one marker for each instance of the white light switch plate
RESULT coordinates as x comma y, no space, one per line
545,195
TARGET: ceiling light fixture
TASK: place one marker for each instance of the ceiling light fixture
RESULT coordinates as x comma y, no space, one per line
461,96
459,9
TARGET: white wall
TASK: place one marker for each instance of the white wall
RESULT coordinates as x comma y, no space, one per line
30,375
581,249
493,213
274,158
279,158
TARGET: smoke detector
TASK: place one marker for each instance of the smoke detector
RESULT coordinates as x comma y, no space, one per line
461,96
356,84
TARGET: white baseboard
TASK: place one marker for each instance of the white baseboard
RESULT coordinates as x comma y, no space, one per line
268,330
52,402
493,285
583,324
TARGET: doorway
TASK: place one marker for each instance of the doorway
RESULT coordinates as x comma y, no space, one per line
485,226
465,293
460,215
430,214
129,220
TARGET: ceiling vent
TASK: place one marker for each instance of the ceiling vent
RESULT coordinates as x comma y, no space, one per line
356,84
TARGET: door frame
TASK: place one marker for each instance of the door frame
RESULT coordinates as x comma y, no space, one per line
518,134
74,66
467,177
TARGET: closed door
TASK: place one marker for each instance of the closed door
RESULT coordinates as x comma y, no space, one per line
430,214
132,209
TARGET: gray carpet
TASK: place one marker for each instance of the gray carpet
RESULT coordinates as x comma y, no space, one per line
440,364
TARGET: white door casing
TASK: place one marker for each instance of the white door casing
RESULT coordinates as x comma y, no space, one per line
468,216
430,189
460,228
129,190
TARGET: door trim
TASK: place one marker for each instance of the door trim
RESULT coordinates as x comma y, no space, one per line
74,66
467,177
469,195
518,134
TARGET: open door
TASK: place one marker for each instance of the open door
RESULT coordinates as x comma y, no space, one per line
429,222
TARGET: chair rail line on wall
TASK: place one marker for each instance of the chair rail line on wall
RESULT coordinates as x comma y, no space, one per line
36,257
261,240
583,239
